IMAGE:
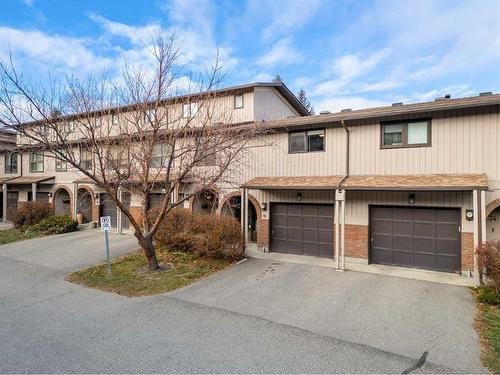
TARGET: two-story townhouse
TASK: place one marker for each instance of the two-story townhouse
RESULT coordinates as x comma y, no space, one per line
414,185
39,176
8,162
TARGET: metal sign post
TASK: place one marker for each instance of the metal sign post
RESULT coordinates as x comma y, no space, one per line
106,227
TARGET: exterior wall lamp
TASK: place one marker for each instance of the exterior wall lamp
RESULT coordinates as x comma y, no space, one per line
411,198
263,206
299,196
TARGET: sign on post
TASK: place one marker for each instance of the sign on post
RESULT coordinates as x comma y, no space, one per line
106,227
106,223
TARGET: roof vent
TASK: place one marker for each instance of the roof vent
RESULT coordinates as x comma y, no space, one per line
324,112
486,93
346,110
397,104
447,96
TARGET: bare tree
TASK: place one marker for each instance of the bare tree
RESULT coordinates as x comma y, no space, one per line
136,134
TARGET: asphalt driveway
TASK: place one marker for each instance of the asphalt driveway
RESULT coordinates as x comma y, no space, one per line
256,317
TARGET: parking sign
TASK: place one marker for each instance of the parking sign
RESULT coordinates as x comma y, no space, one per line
106,223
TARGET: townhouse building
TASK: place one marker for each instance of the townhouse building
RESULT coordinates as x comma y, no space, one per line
409,185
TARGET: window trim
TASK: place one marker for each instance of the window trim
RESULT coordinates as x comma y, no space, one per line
405,123
242,101
80,162
190,106
114,119
42,161
9,156
307,144
58,162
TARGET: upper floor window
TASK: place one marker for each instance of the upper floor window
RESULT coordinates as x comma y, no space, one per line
114,119
161,155
43,130
306,141
207,154
189,109
69,127
406,134
238,101
61,165
36,162
85,159
98,122
11,163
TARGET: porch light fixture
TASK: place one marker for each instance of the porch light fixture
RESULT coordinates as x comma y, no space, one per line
50,195
264,206
411,198
299,196
163,191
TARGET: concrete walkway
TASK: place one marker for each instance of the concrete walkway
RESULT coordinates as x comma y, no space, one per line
407,273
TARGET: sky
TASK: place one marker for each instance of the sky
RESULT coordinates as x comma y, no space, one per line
344,54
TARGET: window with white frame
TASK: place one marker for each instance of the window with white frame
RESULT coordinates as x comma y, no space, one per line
11,163
238,101
98,122
160,155
85,159
36,162
189,109
61,165
69,127
114,119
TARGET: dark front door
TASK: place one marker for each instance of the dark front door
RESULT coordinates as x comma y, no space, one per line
305,229
427,238
12,198
108,208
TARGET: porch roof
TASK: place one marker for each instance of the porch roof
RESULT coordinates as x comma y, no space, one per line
453,182
25,180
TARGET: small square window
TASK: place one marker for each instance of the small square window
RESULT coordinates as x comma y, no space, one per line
238,101
98,122
189,109
114,119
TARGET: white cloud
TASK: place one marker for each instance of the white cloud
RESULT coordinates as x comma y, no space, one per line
456,91
28,2
282,53
289,15
138,35
44,51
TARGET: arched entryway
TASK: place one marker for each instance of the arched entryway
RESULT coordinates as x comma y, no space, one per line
84,204
232,206
493,221
206,202
62,202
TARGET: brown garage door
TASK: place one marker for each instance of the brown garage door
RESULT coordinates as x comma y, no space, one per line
427,238
303,229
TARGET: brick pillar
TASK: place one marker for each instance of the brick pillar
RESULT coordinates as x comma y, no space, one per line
356,241
467,251
263,233
137,214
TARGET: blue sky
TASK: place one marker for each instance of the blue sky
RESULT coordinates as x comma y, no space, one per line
345,54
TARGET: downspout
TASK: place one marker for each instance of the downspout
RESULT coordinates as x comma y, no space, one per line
347,152
340,213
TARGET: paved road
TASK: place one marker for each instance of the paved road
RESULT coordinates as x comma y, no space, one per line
48,325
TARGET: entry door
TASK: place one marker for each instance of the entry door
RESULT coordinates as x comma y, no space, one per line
108,208
304,229
427,238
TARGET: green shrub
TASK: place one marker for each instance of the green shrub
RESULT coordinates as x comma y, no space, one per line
30,213
55,225
213,236
487,295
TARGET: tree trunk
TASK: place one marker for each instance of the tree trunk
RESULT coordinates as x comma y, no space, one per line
147,245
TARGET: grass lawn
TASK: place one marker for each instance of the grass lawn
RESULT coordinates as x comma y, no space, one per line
128,279
488,325
13,235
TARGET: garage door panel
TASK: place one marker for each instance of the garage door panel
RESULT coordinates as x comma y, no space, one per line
381,256
402,214
403,258
382,240
424,244
424,214
402,243
302,229
446,246
425,261
447,231
426,238
402,227
381,227
310,222
424,229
